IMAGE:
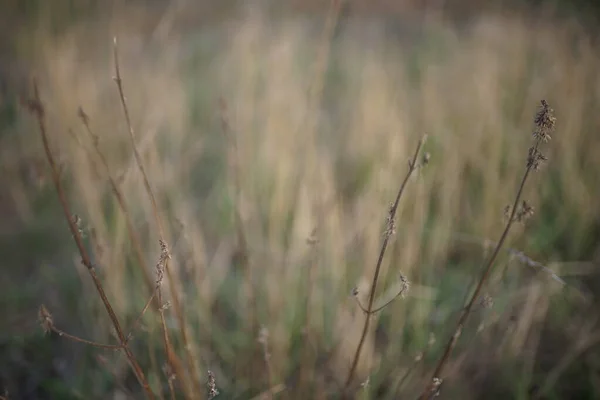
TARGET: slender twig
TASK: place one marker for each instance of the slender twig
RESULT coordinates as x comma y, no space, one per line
412,166
134,237
138,320
544,125
37,108
48,325
171,360
402,290
135,240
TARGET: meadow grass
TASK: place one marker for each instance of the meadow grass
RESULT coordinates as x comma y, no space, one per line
274,149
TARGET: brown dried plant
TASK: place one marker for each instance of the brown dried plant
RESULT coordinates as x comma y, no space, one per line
155,286
544,122
390,229
37,108
173,367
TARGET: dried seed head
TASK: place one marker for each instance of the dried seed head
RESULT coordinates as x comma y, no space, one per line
162,261
212,386
425,160
390,224
535,158
79,224
45,319
544,122
405,285
435,387
525,212
487,301
169,372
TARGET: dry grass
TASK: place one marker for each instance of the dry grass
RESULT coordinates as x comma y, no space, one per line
323,134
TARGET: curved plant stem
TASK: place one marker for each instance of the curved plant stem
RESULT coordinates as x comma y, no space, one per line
37,108
172,362
412,166
439,369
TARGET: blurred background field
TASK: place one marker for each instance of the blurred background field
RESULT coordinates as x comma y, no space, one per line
274,216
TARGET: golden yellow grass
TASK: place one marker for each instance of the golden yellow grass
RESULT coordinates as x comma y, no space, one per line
317,148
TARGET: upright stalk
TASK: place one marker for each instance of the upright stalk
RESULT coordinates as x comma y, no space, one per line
369,310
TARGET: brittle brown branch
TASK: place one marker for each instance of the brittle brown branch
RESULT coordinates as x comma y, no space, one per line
154,286
48,325
405,286
544,122
412,166
172,361
134,237
36,107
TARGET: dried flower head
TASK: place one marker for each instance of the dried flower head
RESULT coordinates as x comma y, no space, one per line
426,158
45,319
524,212
487,301
390,224
160,265
404,285
544,122
212,386
435,387
169,372
535,158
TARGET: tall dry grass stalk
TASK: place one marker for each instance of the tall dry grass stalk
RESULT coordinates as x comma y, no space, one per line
518,212
390,230
330,160
36,106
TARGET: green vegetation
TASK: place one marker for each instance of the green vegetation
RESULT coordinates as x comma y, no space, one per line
274,149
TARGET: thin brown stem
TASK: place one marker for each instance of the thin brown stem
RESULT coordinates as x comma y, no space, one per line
85,341
37,108
384,305
132,234
412,166
141,315
135,240
134,237
171,359
439,369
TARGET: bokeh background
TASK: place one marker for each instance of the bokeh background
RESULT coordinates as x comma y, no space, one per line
275,135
